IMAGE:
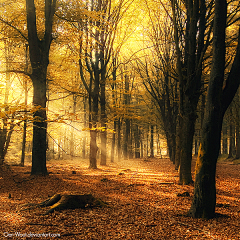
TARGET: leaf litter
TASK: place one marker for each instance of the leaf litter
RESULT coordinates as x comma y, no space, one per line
144,201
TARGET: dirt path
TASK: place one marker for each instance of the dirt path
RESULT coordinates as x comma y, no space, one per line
143,198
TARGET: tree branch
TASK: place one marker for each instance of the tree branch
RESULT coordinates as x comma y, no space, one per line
15,28
233,79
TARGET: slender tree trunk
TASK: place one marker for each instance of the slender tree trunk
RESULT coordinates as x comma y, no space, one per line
196,137
178,143
93,149
72,147
103,133
25,120
141,145
113,141
93,130
85,125
151,142
130,146
119,139
24,143
4,130
137,141
103,146
127,120
231,151
224,140
237,126
24,140
114,98
126,138
237,140
9,135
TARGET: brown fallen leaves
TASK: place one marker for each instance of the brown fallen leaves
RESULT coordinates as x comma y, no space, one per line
144,202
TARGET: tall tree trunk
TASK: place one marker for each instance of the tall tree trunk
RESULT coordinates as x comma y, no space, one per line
24,126
113,141
72,147
218,100
93,127
127,120
130,141
103,116
4,130
188,126
137,141
231,151
39,126
151,141
39,58
178,143
24,143
93,149
119,139
85,126
25,103
126,138
224,140
237,140
237,126
189,69
114,98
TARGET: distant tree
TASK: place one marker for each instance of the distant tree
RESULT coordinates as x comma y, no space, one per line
6,129
97,37
231,151
25,86
237,122
151,141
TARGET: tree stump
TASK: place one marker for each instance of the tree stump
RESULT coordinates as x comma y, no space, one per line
68,201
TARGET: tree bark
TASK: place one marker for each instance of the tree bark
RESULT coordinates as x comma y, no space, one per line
39,58
85,125
93,126
72,145
137,141
114,98
224,140
113,141
237,140
189,69
25,103
237,126
151,141
4,129
188,126
119,139
218,100
231,151
127,120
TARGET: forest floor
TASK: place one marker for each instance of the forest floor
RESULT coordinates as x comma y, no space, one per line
143,196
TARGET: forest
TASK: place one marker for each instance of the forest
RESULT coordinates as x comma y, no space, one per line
120,118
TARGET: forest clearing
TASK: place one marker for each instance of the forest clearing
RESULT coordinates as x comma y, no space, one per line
143,201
